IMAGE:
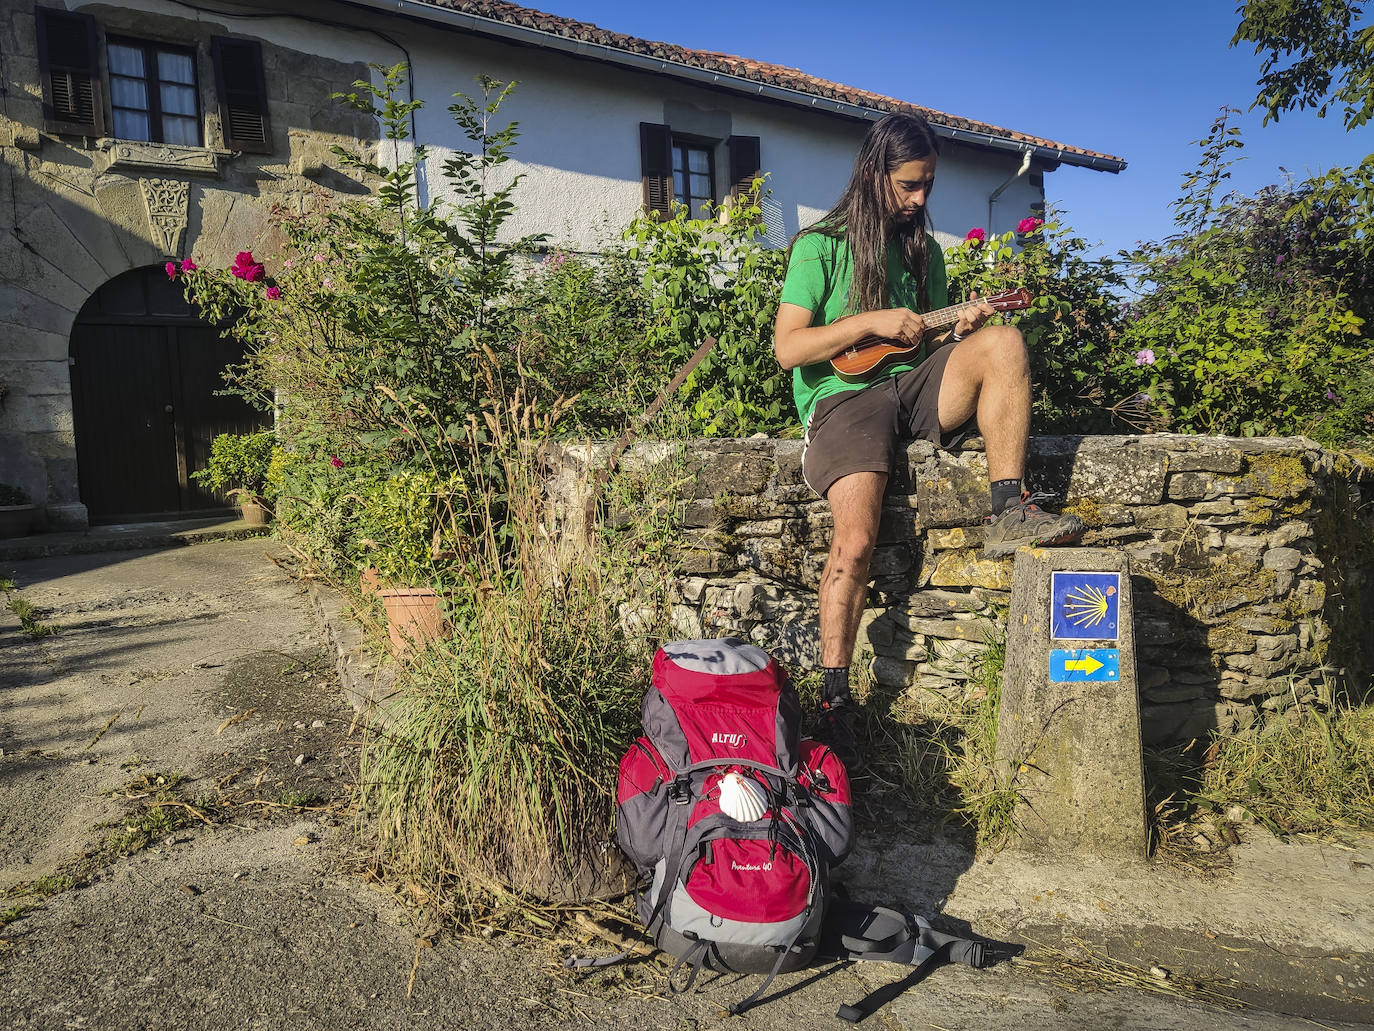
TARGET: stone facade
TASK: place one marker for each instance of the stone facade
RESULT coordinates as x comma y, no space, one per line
1251,563
79,211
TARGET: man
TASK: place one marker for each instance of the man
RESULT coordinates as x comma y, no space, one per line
868,269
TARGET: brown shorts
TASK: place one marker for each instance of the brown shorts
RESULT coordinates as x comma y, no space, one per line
859,430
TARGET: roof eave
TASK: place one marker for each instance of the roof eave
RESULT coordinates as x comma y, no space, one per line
521,34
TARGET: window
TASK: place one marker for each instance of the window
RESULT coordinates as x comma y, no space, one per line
153,93
694,181
683,168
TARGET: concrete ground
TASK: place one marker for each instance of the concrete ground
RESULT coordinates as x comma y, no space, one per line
204,670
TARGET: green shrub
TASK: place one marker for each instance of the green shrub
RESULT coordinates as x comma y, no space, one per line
413,527
579,328
239,465
1251,316
379,329
716,277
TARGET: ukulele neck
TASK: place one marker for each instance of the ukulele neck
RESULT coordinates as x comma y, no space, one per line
942,317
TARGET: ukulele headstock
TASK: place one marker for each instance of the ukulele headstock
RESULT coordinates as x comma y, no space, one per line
1011,300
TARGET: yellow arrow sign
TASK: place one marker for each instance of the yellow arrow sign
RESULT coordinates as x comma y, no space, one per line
1087,664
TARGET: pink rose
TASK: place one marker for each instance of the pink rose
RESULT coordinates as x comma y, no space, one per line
335,461
975,237
272,292
171,268
189,266
1029,225
246,268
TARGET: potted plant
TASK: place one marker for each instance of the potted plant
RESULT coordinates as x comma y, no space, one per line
238,467
17,512
409,535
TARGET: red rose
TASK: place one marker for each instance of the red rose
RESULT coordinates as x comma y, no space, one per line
1029,225
975,237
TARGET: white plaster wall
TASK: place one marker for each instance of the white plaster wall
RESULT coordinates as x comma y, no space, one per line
579,148
579,144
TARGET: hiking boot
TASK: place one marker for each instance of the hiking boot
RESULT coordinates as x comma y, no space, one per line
1024,524
835,729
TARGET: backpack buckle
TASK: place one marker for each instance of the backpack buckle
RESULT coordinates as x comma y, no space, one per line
680,790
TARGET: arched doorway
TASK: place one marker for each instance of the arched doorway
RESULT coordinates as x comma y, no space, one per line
145,374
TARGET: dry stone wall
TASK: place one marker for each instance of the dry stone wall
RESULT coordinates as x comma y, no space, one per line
1250,559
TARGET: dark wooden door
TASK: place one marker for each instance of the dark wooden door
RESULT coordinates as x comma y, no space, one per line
145,380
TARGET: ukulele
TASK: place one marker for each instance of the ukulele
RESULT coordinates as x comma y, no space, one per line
862,359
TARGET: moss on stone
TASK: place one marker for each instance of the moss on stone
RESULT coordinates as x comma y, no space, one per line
1088,510
1258,512
1279,476
1230,639
1225,584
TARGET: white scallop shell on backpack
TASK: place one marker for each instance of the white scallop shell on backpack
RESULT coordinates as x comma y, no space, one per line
742,798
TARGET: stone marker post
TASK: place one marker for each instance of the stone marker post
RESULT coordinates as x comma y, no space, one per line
1068,729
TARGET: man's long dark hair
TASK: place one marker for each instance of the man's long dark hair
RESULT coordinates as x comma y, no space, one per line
860,216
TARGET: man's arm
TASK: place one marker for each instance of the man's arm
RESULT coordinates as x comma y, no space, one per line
797,342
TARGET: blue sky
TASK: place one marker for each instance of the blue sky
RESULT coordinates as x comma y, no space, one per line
1137,80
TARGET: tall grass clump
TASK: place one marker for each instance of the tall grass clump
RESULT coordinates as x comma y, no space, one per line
497,778
1313,774
938,752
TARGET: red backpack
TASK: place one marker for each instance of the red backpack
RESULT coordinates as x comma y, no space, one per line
730,814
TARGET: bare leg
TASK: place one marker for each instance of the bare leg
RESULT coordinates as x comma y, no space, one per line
856,502
988,376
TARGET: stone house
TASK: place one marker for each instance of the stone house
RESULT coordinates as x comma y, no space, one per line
140,132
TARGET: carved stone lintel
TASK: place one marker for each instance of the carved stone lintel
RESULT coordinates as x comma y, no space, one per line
166,157
166,200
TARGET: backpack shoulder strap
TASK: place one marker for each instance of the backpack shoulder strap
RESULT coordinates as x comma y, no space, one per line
674,841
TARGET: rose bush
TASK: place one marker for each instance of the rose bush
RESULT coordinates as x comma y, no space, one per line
378,336
1085,378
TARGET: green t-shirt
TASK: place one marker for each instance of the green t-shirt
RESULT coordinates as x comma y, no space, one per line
817,279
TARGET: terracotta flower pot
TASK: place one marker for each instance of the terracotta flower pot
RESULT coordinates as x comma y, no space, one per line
369,580
17,520
255,514
414,617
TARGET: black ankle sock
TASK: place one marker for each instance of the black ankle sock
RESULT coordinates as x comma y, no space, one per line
1004,493
836,685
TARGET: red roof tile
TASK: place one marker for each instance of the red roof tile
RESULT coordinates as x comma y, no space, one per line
741,67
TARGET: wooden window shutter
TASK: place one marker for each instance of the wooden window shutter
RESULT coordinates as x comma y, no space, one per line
746,164
68,58
242,92
656,166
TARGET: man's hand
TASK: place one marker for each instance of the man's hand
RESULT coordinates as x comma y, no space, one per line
971,319
898,324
